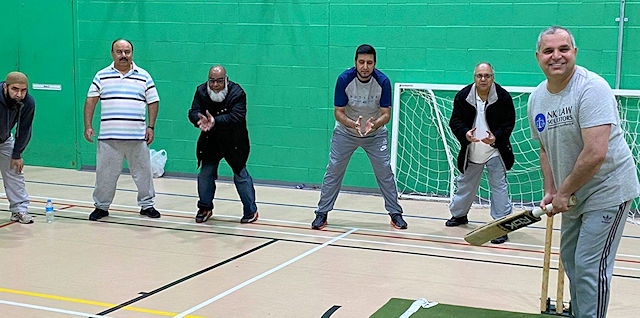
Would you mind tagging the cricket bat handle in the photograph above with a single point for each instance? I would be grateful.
(538, 212)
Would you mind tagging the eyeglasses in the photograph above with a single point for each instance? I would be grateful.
(481, 76)
(217, 80)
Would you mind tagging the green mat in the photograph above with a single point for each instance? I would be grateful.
(396, 307)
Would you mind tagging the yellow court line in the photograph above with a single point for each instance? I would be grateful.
(90, 302)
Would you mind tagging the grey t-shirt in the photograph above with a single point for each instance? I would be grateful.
(556, 121)
(362, 99)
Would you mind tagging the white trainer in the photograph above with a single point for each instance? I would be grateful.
(24, 218)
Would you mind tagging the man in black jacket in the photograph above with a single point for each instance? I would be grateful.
(482, 120)
(219, 110)
(17, 108)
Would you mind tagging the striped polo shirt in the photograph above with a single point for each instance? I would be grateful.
(123, 100)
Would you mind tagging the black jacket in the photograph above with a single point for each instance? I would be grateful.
(21, 116)
(500, 114)
(229, 137)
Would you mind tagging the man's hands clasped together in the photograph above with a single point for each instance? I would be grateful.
(206, 122)
(489, 139)
(368, 126)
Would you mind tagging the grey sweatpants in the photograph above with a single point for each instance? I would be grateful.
(588, 250)
(342, 147)
(13, 182)
(467, 189)
(110, 157)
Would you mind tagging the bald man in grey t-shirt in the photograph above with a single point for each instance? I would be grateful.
(574, 116)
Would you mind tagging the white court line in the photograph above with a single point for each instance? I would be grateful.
(269, 272)
(404, 233)
(253, 230)
(90, 203)
(231, 217)
(62, 311)
(448, 250)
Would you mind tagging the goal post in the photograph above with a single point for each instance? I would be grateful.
(424, 150)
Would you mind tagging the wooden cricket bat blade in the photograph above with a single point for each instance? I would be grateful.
(503, 226)
(509, 223)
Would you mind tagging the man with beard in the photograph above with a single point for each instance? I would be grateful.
(219, 110)
(362, 101)
(482, 120)
(125, 91)
(17, 108)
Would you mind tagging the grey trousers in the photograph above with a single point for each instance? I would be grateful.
(467, 189)
(110, 157)
(13, 182)
(342, 147)
(588, 251)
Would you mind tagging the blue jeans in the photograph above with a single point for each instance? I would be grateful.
(207, 187)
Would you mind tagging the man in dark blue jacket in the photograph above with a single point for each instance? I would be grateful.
(482, 120)
(17, 108)
(219, 110)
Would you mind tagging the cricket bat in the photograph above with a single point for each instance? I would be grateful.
(508, 224)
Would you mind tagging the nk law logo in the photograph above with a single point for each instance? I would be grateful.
(606, 219)
(540, 122)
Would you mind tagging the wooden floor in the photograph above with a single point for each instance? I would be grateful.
(130, 266)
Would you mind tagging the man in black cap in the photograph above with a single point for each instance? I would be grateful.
(16, 110)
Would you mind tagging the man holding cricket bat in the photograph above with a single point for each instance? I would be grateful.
(482, 120)
(573, 114)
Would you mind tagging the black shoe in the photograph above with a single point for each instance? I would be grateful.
(397, 221)
(98, 214)
(454, 221)
(249, 218)
(320, 222)
(150, 212)
(500, 240)
(203, 215)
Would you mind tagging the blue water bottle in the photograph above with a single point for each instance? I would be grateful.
(48, 211)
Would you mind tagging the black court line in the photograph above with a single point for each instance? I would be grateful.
(330, 311)
(383, 250)
(258, 237)
(176, 282)
(293, 205)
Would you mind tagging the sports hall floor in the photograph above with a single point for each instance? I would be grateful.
(131, 266)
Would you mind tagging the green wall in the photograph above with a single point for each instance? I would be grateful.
(9, 53)
(287, 55)
(40, 44)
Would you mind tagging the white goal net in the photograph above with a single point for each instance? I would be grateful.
(423, 149)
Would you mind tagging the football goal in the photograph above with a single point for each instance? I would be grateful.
(423, 149)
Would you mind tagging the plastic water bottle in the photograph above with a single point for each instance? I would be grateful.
(48, 211)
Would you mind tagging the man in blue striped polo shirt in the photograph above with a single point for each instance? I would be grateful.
(125, 92)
